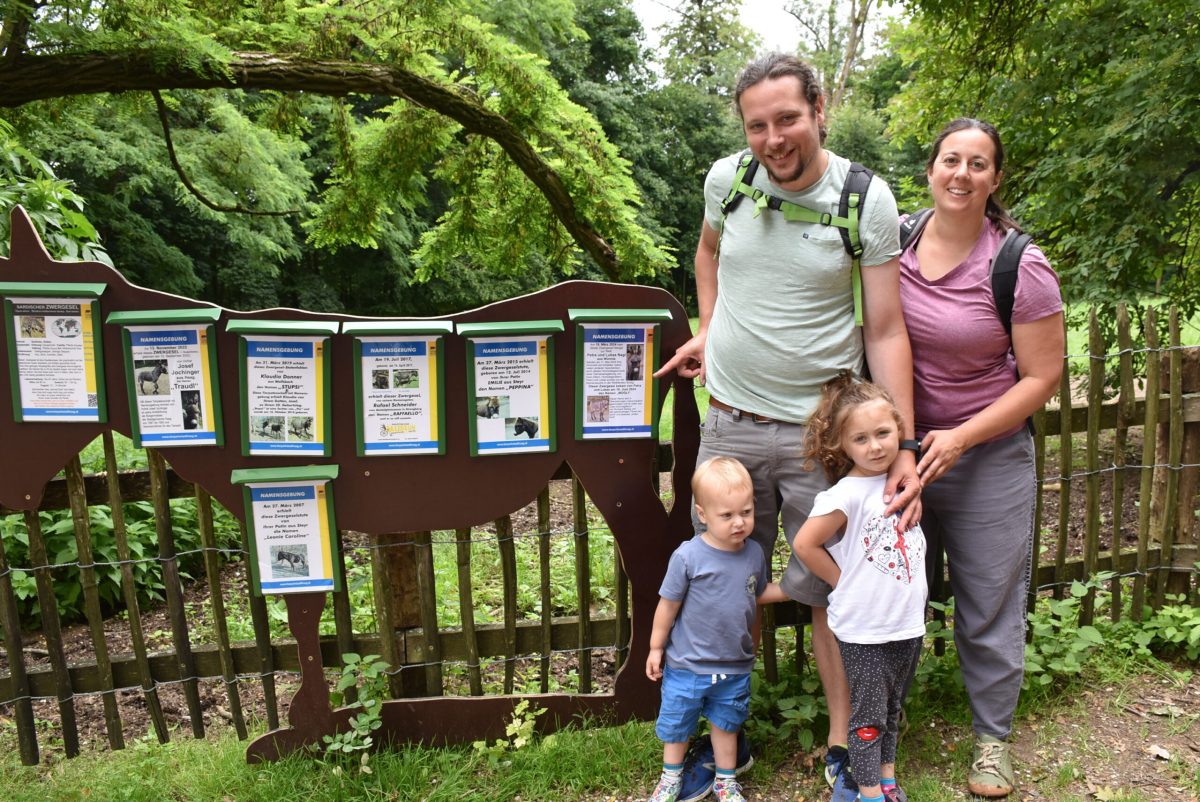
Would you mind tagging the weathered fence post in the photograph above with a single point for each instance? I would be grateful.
(173, 589)
(398, 599)
(1175, 486)
(1125, 405)
(427, 591)
(1066, 466)
(583, 585)
(91, 599)
(212, 573)
(1091, 540)
(10, 627)
(1149, 429)
(52, 630)
(1168, 501)
(129, 591)
(466, 608)
(547, 599)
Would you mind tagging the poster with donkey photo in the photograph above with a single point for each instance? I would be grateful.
(292, 528)
(399, 378)
(285, 387)
(172, 378)
(510, 381)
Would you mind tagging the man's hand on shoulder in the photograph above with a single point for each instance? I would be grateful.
(688, 361)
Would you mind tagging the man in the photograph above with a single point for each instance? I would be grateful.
(777, 321)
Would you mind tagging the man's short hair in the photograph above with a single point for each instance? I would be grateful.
(727, 472)
(779, 65)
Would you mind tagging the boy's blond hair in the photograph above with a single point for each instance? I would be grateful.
(725, 471)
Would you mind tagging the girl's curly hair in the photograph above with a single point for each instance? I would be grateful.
(823, 439)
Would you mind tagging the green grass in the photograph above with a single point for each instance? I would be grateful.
(584, 762)
(593, 761)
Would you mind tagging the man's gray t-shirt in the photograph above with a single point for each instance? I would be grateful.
(783, 323)
(712, 632)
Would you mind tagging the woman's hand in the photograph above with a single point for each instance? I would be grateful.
(940, 450)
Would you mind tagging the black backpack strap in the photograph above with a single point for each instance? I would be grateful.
(1005, 269)
(854, 195)
(743, 181)
(912, 227)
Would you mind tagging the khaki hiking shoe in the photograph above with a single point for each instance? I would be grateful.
(991, 772)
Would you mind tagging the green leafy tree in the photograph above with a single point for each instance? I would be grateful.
(670, 132)
(419, 93)
(706, 45)
(833, 41)
(1096, 102)
(52, 203)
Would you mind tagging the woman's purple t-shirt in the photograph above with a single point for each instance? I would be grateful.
(962, 360)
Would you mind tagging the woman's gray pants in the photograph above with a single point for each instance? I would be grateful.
(981, 512)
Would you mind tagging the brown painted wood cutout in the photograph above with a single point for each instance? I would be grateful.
(380, 495)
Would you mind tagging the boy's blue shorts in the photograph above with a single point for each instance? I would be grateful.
(724, 699)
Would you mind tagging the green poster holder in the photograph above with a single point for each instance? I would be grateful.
(56, 289)
(475, 331)
(401, 328)
(316, 474)
(616, 317)
(285, 329)
(167, 318)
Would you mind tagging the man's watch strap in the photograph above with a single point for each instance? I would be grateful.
(911, 445)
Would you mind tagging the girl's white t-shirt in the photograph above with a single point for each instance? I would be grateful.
(882, 591)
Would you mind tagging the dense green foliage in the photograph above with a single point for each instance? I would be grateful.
(390, 206)
(52, 203)
(58, 534)
(406, 189)
(1096, 100)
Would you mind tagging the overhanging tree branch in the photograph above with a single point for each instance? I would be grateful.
(187, 183)
(32, 78)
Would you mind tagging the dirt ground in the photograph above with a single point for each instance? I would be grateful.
(1143, 736)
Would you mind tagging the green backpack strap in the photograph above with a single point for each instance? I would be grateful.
(854, 192)
(741, 187)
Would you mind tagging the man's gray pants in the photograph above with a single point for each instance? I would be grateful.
(981, 512)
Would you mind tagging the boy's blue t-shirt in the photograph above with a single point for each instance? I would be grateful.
(712, 632)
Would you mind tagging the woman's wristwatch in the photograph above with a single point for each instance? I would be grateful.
(911, 445)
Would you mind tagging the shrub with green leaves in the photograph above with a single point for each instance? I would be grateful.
(58, 533)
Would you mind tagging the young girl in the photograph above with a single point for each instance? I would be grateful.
(877, 571)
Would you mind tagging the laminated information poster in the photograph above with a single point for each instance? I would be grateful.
(285, 387)
(54, 343)
(509, 380)
(399, 388)
(617, 392)
(616, 354)
(293, 533)
(173, 384)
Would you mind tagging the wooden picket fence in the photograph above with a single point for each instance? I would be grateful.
(410, 637)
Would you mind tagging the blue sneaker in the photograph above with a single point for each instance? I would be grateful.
(837, 758)
(844, 789)
(700, 768)
(837, 774)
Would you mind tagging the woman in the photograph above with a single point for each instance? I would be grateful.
(975, 386)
